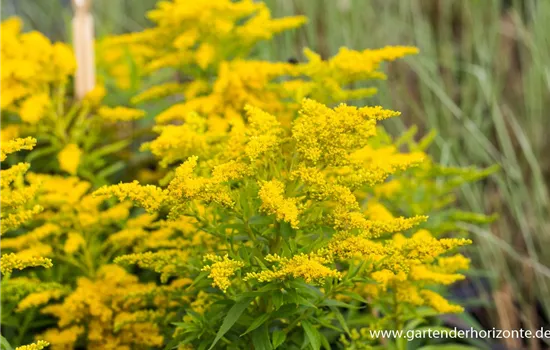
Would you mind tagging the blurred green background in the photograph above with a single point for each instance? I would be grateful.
(482, 80)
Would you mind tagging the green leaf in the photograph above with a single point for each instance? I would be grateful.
(277, 298)
(337, 303)
(200, 277)
(341, 319)
(260, 220)
(111, 169)
(260, 338)
(324, 342)
(355, 296)
(287, 311)
(278, 338)
(232, 316)
(40, 153)
(312, 335)
(286, 230)
(5, 344)
(108, 149)
(257, 323)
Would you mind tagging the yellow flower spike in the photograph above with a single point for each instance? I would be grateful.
(376, 211)
(186, 186)
(439, 303)
(39, 298)
(39, 345)
(65, 338)
(116, 114)
(12, 221)
(205, 55)
(11, 26)
(274, 202)
(96, 95)
(454, 263)
(12, 174)
(148, 196)
(311, 267)
(387, 278)
(231, 171)
(339, 132)
(36, 235)
(95, 305)
(69, 158)
(11, 261)
(423, 273)
(9, 132)
(221, 270)
(64, 61)
(74, 242)
(264, 132)
(12, 146)
(166, 262)
(178, 142)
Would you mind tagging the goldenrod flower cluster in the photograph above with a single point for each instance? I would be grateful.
(296, 204)
(270, 207)
(36, 101)
(18, 206)
(39, 345)
(221, 270)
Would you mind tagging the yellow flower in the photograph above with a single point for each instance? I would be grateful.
(273, 202)
(422, 273)
(36, 235)
(178, 142)
(346, 246)
(338, 132)
(63, 339)
(63, 61)
(11, 146)
(311, 267)
(39, 298)
(69, 158)
(377, 211)
(11, 261)
(186, 186)
(148, 196)
(205, 55)
(74, 242)
(167, 262)
(9, 132)
(221, 270)
(94, 305)
(12, 221)
(39, 345)
(34, 108)
(439, 303)
(96, 95)
(453, 263)
(120, 113)
(264, 132)
(12, 174)
(386, 277)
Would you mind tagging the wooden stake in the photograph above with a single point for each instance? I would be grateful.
(83, 41)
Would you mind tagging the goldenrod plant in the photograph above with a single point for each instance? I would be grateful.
(281, 217)
(72, 136)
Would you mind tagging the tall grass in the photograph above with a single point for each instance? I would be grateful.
(482, 80)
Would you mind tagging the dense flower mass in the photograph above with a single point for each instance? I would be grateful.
(302, 211)
(263, 210)
(36, 101)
